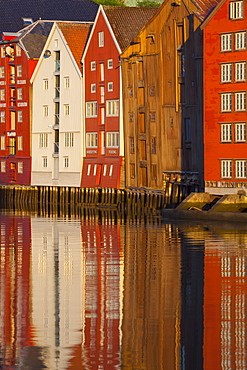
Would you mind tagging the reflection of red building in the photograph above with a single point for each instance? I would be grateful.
(103, 288)
(14, 287)
(225, 299)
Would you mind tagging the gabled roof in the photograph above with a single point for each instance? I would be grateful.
(76, 35)
(205, 7)
(13, 11)
(126, 22)
(210, 16)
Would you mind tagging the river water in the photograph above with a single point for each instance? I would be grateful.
(102, 293)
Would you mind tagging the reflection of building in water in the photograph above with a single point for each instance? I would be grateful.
(152, 303)
(57, 289)
(225, 303)
(103, 296)
(14, 288)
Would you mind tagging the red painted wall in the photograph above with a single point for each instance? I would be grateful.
(214, 150)
(94, 155)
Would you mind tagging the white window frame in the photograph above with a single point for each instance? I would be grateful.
(19, 116)
(93, 88)
(240, 71)
(95, 169)
(88, 169)
(19, 93)
(3, 166)
(66, 109)
(2, 116)
(2, 142)
(66, 162)
(18, 50)
(91, 139)
(91, 109)
(240, 101)
(226, 168)
(45, 84)
(110, 63)
(226, 42)
(45, 110)
(43, 140)
(44, 162)
(2, 74)
(68, 139)
(240, 132)
(226, 72)
(2, 94)
(19, 70)
(236, 10)
(93, 65)
(240, 40)
(240, 168)
(20, 167)
(226, 102)
(112, 139)
(112, 108)
(226, 132)
(102, 72)
(66, 82)
(110, 86)
(104, 169)
(111, 170)
(101, 39)
(19, 142)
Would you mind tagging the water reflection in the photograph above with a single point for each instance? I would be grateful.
(99, 293)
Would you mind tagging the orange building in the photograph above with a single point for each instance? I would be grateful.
(225, 56)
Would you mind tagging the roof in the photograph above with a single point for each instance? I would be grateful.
(126, 22)
(76, 35)
(13, 11)
(205, 7)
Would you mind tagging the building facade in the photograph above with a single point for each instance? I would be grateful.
(225, 56)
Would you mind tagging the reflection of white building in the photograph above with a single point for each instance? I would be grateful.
(57, 289)
(57, 117)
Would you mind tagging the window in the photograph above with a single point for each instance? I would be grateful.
(20, 167)
(92, 140)
(91, 109)
(18, 51)
(130, 92)
(102, 72)
(240, 101)
(101, 39)
(43, 140)
(20, 142)
(45, 110)
(112, 108)
(95, 169)
(131, 117)
(57, 61)
(132, 145)
(132, 170)
(3, 166)
(240, 132)
(240, 40)
(66, 109)
(3, 142)
(226, 132)
(19, 115)
(187, 130)
(45, 84)
(109, 63)
(2, 117)
(226, 102)
(153, 171)
(102, 94)
(110, 86)
(153, 145)
(93, 66)
(2, 94)
(2, 52)
(68, 139)
(56, 43)
(66, 162)
(104, 169)
(226, 42)
(44, 162)
(1, 72)
(226, 168)
(19, 94)
(236, 9)
(240, 71)
(111, 170)
(66, 82)
(19, 71)
(152, 91)
(152, 117)
(113, 139)
(12, 146)
(88, 169)
(226, 72)
(93, 88)
(240, 167)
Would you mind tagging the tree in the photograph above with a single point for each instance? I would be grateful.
(148, 3)
(110, 2)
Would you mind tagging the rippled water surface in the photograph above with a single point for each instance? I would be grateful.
(99, 293)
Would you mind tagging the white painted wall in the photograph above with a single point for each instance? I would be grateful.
(70, 176)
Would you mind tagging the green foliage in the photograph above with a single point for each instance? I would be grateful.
(110, 2)
(148, 3)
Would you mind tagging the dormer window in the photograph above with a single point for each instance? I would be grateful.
(237, 10)
(27, 21)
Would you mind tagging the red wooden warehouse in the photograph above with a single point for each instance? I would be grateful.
(225, 56)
